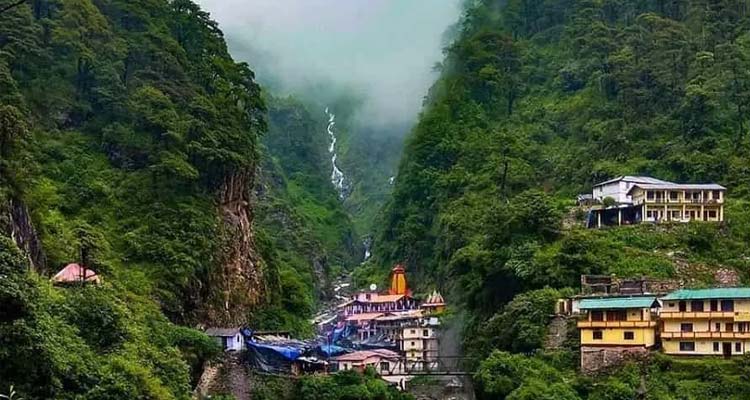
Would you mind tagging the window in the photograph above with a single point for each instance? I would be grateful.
(716, 346)
(619, 315)
(696, 305)
(412, 331)
(676, 214)
(385, 366)
(714, 305)
(686, 327)
(425, 332)
(597, 335)
(727, 305)
(650, 194)
(346, 367)
(671, 305)
(629, 335)
(712, 214)
(597, 316)
(718, 327)
(683, 306)
(717, 194)
(412, 344)
(687, 346)
(673, 195)
(730, 327)
(738, 347)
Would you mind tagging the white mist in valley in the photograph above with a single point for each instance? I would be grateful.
(382, 50)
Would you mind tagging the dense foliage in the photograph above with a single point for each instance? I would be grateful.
(120, 121)
(311, 236)
(89, 342)
(536, 102)
(348, 385)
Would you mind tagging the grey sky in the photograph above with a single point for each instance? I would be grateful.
(385, 49)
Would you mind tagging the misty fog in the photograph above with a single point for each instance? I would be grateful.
(383, 50)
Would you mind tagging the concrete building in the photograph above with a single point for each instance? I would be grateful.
(616, 328)
(679, 203)
(420, 343)
(619, 321)
(230, 339)
(706, 322)
(618, 188)
(385, 362)
(635, 199)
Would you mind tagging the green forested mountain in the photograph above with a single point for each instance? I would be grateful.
(129, 140)
(537, 101)
(300, 214)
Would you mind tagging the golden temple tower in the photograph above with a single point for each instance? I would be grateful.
(398, 281)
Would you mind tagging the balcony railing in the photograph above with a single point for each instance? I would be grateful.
(697, 314)
(680, 201)
(705, 335)
(616, 324)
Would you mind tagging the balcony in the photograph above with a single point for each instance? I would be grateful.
(698, 315)
(616, 324)
(705, 335)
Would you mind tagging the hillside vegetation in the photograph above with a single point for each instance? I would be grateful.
(129, 140)
(536, 102)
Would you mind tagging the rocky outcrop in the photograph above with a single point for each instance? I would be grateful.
(225, 376)
(16, 223)
(599, 359)
(236, 283)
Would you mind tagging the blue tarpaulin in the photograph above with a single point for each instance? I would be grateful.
(330, 350)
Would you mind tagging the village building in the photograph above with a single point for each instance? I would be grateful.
(635, 199)
(615, 327)
(230, 339)
(385, 362)
(75, 273)
(434, 304)
(420, 344)
(706, 322)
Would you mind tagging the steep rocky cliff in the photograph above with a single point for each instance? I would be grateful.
(236, 282)
(15, 222)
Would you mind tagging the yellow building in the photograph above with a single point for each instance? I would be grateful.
(679, 202)
(706, 322)
(618, 322)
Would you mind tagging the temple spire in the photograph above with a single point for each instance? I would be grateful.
(398, 281)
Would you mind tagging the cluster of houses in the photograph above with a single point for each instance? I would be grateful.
(627, 200)
(390, 331)
(684, 322)
(395, 332)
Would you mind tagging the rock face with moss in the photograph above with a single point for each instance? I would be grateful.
(129, 135)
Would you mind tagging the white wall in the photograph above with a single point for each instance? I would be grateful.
(616, 190)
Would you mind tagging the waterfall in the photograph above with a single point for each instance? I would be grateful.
(367, 244)
(337, 176)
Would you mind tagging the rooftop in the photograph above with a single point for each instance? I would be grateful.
(635, 179)
(364, 316)
(607, 303)
(365, 354)
(222, 332)
(680, 186)
(715, 293)
(75, 273)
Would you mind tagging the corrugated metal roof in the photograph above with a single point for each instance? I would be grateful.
(679, 186)
(222, 332)
(635, 179)
(715, 293)
(618, 303)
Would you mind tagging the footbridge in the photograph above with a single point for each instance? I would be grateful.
(436, 366)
